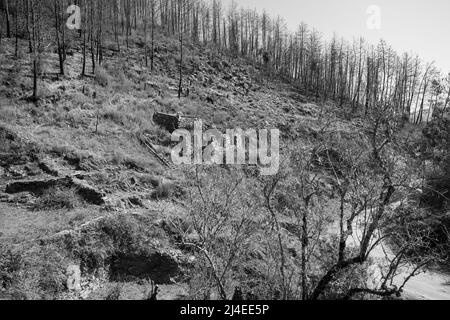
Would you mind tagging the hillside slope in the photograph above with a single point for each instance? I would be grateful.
(80, 191)
(74, 159)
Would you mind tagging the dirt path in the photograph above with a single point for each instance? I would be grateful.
(428, 286)
(425, 286)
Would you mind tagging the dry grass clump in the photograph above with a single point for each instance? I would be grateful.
(122, 84)
(102, 77)
(135, 116)
(9, 113)
(78, 117)
(150, 180)
(220, 117)
(36, 274)
(114, 113)
(56, 198)
(78, 99)
(136, 162)
(164, 190)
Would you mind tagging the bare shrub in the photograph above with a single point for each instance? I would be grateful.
(223, 216)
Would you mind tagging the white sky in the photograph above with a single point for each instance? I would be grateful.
(416, 26)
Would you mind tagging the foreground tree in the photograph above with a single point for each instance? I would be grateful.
(369, 199)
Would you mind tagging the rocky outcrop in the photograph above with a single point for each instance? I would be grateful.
(158, 266)
(36, 186)
(167, 121)
(73, 273)
(39, 186)
(88, 193)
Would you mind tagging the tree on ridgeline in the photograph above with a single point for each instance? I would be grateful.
(355, 74)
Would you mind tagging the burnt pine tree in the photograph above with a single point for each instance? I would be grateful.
(8, 19)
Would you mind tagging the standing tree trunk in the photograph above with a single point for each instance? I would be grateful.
(447, 100)
(91, 37)
(305, 243)
(83, 71)
(100, 34)
(145, 18)
(153, 35)
(35, 51)
(99, 31)
(359, 80)
(16, 51)
(63, 38)
(27, 10)
(8, 24)
(1, 33)
(180, 84)
(368, 84)
(58, 40)
(116, 24)
(420, 116)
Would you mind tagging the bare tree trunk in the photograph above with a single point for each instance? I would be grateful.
(368, 80)
(447, 100)
(27, 9)
(83, 71)
(420, 116)
(1, 33)
(116, 24)
(359, 80)
(153, 35)
(99, 52)
(100, 34)
(145, 34)
(8, 24)
(63, 39)
(58, 41)
(35, 51)
(180, 84)
(16, 51)
(305, 243)
(35, 71)
(91, 36)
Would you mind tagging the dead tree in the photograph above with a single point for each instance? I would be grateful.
(84, 30)
(371, 208)
(59, 44)
(8, 19)
(36, 48)
(16, 8)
